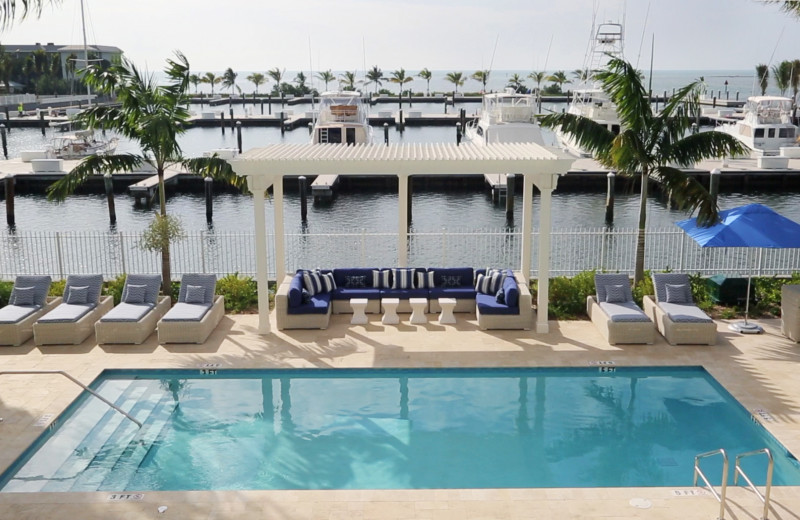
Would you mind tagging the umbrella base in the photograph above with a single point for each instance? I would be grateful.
(745, 328)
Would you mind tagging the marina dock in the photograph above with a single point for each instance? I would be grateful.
(322, 189)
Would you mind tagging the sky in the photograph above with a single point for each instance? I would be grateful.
(445, 35)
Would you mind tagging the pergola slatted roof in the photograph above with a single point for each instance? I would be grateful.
(537, 165)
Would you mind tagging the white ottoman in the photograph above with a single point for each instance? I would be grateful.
(390, 316)
(446, 316)
(418, 306)
(359, 305)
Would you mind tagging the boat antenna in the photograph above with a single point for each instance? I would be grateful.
(311, 72)
(652, 53)
(644, 28)
(85, 55)
(491, 63)
(546, 59)
(364, 57)
(772, 56)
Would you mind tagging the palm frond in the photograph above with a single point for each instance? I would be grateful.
(688, 194)
(89, 166)
(787, 6)
(589, 134)
(624, 86)
(216, 168)
(704, 145)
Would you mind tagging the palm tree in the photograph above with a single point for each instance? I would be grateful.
(300, 81)
(277, 75)
(348, 79)
(8, 9)
(782, 73)
(538, 77)
(515, 82)
(482, 76)
(326, 76)
(650, 143)
(456, 78)
(762, 71)
(229, 79)
(257, 79)
(580, 75)
(558, 78)
(399, 77)
(195, 80)
(794, 79)
(375, 75)
(787, 6)
(153, 114)
(426, 75)
(212, 79)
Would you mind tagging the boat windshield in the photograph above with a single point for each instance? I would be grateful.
(509, 108)
(342, 107)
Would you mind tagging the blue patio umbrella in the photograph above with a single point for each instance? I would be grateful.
(751, 226)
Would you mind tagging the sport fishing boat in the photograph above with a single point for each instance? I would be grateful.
(81, 143)
(506, 117)
(343, 118)
(766, 125)
(589, 100)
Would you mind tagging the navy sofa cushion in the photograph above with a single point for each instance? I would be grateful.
(459, 293)
(296, 290)
(404, 293)
(464, 275)
(487, 304)
(511, 291)
(344, 277)
(318, 304)
(343, 293)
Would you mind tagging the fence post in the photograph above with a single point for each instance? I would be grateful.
(603, 250)
(122, 251)
(760, 270)
(203, 250)
(59, 256)
(683, 248)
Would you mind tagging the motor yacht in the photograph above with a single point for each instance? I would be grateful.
(343, 118)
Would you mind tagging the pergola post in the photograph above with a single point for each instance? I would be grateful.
(280, 232)
(402, 220)
(545, 225)
(257, 186)
(527, 226)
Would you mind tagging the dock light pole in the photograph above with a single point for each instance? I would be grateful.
(4, 139)
(108, 182)
(239, 135)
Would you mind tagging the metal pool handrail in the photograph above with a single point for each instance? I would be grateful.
(767, 488)
(109, 403)
(697, 471)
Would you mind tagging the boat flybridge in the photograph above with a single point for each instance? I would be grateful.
(589, 99)
(766, 125)
(343, 118)
(505, 117)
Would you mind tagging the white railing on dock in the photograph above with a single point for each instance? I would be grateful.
(573, 250)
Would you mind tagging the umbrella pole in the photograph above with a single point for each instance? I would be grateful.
(744, 327)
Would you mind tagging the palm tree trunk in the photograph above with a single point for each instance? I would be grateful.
(166, 274)
(638, 274)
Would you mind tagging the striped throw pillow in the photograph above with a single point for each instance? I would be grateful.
(402, 278)
(381, 279)
(424, 280)
(312, 282)
(490, 282)
(328, 283)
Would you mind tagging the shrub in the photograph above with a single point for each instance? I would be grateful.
(115, 286)
(5, 292)
(643, 288)
(57, 288)
(240, 292)
(568, 295)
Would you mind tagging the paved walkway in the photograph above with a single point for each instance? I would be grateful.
(760, 371)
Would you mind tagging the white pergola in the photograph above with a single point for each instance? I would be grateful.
(265, 167)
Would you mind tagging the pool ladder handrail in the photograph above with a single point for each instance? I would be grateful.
(768, 485)
(86, 388)
(724, 487)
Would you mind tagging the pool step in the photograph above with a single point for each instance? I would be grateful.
(117, 445)
(110, 425)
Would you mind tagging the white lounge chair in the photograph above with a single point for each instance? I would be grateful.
(72, 321)
(138, 312)
(677, 318)
(615, 314)
(27, 303)
(196, 314)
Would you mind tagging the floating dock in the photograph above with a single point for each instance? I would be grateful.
(323, 187)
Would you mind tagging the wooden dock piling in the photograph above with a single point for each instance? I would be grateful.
(239, 135)
(208, 184)
(302, 185)
(9, 184)
(5, 140)
(612, 180)
(108, 183)
(510, 179)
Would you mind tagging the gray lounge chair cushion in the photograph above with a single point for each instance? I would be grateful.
(67, 313)
(678, 293)
(135, 294)
(24, 295)
(16, 313)
(76, 295)
(207, 281)
(93, 282)
(624, 312)
(186, 312)
(684, 313)
(661, 280)
(195, 294)
(40, 284)
(152, 283)
(128, 312)
(615, 288)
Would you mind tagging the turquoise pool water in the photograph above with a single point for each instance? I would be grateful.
(394, 429)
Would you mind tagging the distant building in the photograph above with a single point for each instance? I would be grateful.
(96, 52)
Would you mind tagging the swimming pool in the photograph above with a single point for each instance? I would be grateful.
(394, 429)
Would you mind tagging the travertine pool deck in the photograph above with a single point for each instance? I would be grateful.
(761, 371)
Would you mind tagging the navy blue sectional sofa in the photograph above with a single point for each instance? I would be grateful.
(297, 308)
